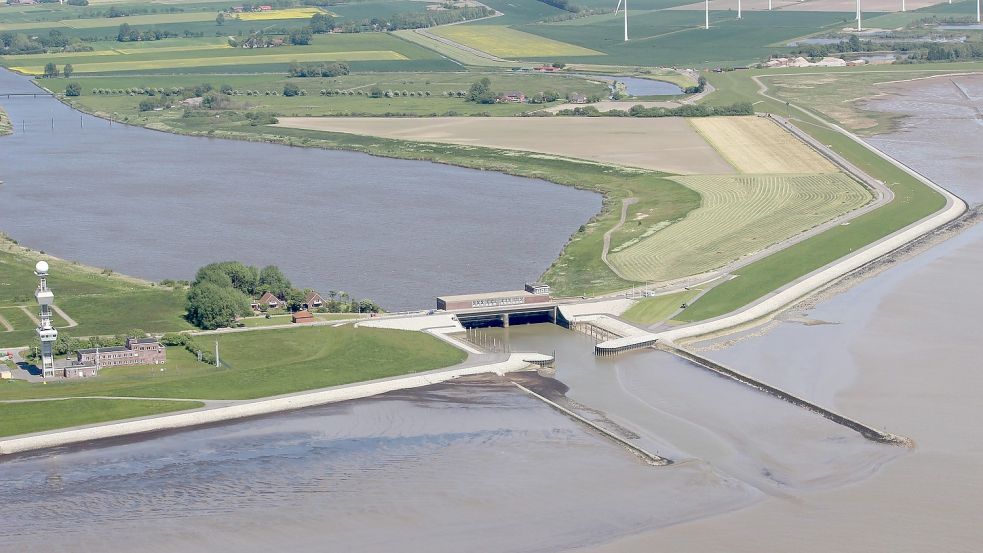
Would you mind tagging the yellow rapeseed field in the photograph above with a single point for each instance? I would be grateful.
(289, 13)
(505, 42)
(756, 145)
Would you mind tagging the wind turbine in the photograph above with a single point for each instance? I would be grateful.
(739, 9)
(860, 25)
(626, 15)
(707, 2)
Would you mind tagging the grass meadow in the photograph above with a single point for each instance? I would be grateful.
(100, 304)
(261, 363)
(38, 416)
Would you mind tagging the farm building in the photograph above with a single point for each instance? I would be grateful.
(490, 299)
(513, 97)
(269, 300)
(578, 98)
(302, 317)
(312, 300)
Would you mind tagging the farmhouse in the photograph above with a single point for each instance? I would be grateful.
(265, 8)
(514, 97)
(269, 300)
(312, 301)
(302, 317)
(578, 98)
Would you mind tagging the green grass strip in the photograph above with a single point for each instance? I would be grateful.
(38, 416)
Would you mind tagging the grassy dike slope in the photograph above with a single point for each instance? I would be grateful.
(38, 416)
(100, 303)
(913, 201)
(259, 364)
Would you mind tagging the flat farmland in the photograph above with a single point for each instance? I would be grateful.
(757, 145)
(133, 20)
(665, 144)
(422, 93)
(506, 42)
(675, 37)
(739, 215)
(190, 55)
(289, 13)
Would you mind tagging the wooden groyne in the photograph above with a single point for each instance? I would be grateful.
(866, 431)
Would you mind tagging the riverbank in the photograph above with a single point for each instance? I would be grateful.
(6, 127)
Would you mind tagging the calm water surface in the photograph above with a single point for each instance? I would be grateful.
(158, 205)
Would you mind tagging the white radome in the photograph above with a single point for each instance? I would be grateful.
(41, 267)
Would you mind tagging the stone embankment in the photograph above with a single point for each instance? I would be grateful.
(649, 457)
(515, 362)
(864, 430)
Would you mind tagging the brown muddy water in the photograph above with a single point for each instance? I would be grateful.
(900, 351)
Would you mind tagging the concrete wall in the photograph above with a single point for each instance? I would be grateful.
(30, 442)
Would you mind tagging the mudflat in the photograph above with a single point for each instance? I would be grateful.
(666, 144)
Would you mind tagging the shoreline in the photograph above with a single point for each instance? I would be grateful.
(250, 408)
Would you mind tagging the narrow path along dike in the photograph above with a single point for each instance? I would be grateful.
(864, 430)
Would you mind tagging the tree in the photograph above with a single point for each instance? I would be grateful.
(322, 23)
(220, 19)
(855, 45)
(272, 280)
(480, 92)
(290, 89)
(229, 274)
(294, 299)
(300, 37)
(50, 70)
(211, 306)
(124, 32)
(67, 71)
(73, 89)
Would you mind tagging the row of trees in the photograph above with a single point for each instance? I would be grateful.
(565, 5)
(129, 34)
(688, 110)
(335, 69)
(54, 41)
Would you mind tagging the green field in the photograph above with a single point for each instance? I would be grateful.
(361, 47)
(38, 416)
(649, 311)
(505, 42)
(425, 93)
(739, 215)
(261, 363)
(100, 304)
(658, 38)
(913, 201)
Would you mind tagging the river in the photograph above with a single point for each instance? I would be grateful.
(158, 205)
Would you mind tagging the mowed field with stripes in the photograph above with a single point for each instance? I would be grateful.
(739, 215)
(781, 188)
